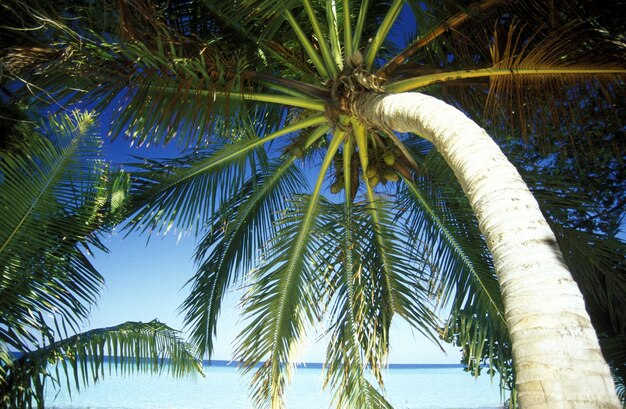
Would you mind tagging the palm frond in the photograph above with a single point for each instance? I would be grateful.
(528, 75)
(152, 81)
(230, 247)
(281, 300)
(402, 268)
(404, 294)
(270, 37)
(567, 74)
(424, 40)
(347, 354)
(57, 195)
(45, 221)
(185, 192)
(217, 95)
(359, 303)
(83, 359)
(445, 237)
(440, 222)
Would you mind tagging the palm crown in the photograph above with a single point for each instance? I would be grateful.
(266, 95)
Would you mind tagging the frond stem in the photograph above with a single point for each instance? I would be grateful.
(292, 85)
(295, 102)
(292, 101)
(331, 16)
(306, 44)
(360, 23)
(429, 37)
(347, 29)
(431, 79)
(383, 30)
(361, 139)
(326, 54)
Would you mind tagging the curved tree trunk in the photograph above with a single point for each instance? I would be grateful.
(557, 357)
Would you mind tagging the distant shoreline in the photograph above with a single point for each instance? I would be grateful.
(319, 365)
(314, 365)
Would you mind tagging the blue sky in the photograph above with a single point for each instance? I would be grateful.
(144, 282)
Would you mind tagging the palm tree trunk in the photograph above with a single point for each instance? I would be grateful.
(557, 357)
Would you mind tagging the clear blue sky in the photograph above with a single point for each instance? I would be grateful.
(146, 282)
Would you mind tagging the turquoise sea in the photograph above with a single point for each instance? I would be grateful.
(407, 387)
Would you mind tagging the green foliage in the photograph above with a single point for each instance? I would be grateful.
(46, 225)
(76, 361)
(57, 196)
(244, 84)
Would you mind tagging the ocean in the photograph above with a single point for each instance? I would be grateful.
(407, 387)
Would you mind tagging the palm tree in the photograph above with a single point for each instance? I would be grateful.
(55, 194)
(260, 88)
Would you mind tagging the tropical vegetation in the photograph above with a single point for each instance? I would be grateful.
(57, 197)
(265, 96)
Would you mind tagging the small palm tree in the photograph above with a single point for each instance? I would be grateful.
(55, 193)
(261, 88)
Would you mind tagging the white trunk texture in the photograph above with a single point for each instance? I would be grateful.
(556, 354)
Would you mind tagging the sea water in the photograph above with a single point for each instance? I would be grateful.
(407, 387)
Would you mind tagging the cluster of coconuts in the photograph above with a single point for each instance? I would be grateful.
(381, 167)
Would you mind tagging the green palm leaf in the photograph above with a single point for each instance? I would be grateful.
(57, 194)
(281, 301)
(186, 191)
(83, 358)
(230, 248)
(359, 310)
(43, 267)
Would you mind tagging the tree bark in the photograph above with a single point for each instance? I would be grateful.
(556, 354)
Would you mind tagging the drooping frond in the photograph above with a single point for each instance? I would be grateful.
(523, 75)
(87, 357)
(56, 195)
(52, 195)
(154, 80)
(345, 357)
(391, 284)
(360, 314)
(281, 300)
(231, 246)
(462, 280)
(565, 73)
